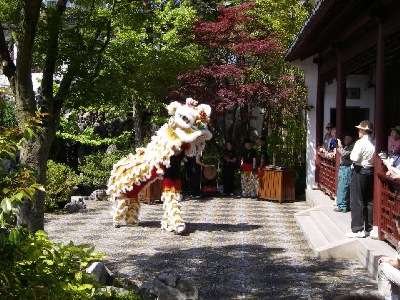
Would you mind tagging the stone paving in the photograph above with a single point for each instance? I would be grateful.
(235, 249)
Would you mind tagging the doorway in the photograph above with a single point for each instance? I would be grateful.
(352, 117)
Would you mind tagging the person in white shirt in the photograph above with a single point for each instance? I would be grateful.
(361, 185)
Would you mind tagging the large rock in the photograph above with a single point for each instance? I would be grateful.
(169, 285)
(98, 195)
(74, 207)
(104, 275)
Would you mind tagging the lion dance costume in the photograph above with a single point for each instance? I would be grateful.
(185, 133)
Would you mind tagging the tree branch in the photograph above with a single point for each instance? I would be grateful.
(54, 23)
(22, 85)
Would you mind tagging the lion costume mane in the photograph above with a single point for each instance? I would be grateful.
(186, 131)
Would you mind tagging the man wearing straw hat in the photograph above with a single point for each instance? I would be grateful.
(361, 186)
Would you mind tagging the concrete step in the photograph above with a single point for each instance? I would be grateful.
(315, 240)
(329, 228)
(325, 238)
(325, 231)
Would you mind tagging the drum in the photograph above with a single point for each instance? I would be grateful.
(210, 172)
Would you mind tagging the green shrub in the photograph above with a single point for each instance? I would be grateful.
(7, 116)
(59, 185)
(31, 266)
(96, 169)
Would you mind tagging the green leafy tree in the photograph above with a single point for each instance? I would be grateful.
(98, 52)
(245, 70)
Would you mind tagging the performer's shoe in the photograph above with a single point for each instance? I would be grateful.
(180, 229)
(358, 234)
(116, 225)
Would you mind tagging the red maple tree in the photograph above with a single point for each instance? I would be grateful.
(243, 62)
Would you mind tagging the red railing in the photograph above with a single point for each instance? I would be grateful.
(326, 174)
(390, 208)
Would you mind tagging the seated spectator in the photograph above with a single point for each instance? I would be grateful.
(389, 273)
(393, 163)
(394, 139)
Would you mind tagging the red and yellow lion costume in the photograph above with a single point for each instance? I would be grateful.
(186, 131)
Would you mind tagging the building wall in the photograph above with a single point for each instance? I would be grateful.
(367, 96)
(311, 78)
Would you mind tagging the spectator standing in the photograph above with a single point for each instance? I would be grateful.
(344, 174)
(194, 165)
(248, 170)
(327, 135)
(228, 166)
(361, 186)
(332, 141)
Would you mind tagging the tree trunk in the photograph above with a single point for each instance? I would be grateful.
(34, 153)
(231, 131)
(137, 124)
(35, 149)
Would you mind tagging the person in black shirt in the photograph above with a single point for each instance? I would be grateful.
(228, 166)
(248, 170)
(194, 165)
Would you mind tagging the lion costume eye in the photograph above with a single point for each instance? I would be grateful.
(186, 119)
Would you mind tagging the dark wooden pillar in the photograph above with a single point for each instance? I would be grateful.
(379, 124)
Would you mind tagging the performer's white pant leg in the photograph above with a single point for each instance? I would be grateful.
(118, 209)
(125, 209)
(388, 281)
(132, 215)
(172, 220)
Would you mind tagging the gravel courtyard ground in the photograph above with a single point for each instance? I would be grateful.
(235, 249)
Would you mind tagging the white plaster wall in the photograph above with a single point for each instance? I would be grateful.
(367, 96)
(311, 79)
(329, 101)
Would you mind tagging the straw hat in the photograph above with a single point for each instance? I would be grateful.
(210, 172)
(366, 125)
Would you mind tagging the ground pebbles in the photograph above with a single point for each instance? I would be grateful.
(235, 249)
